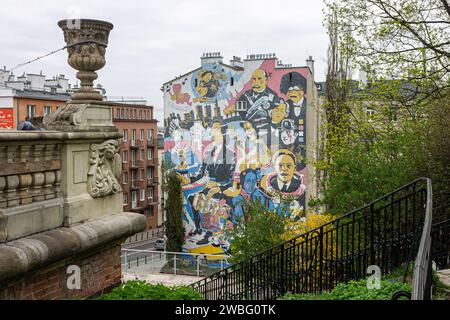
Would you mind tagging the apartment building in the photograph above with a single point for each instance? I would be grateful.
(139, 155)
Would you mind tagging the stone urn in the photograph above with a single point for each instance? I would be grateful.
(86, 41)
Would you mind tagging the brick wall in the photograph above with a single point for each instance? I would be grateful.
(100, 271)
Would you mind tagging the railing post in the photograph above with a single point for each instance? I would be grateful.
(198, 266)
(281, 277)
(175, 264)
(321, 259)
(372, 234)
(153, 263)
(226, 283)
(126, 265)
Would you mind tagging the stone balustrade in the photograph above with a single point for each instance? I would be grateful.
(29, 172)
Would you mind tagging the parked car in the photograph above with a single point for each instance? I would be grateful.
(160, 244)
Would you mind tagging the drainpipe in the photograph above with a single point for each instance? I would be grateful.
(18, 112)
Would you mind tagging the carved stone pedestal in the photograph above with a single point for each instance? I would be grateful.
(82, 115)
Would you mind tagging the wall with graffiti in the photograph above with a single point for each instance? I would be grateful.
(233, 135)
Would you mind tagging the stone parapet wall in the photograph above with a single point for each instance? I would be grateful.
(100, 270)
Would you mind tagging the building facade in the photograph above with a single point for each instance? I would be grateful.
(139, 153)
(239, 132)
(32, 96)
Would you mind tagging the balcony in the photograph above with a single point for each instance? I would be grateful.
(133, 144)
(134, 185)
(152, 142)
(152, 162)
(152, 181)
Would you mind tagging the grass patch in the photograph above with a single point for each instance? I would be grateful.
(140, 290)
(355, 290)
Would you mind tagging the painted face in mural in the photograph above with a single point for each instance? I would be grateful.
(288, 133)
(217, 133)
(279, 113)
(250, 131)
(250, 182)
(285, 167)
(259, 80)
(295, 93)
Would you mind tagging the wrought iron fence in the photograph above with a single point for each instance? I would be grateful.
(387, 232)
(176, 263)
(151, 234)
(440, 234)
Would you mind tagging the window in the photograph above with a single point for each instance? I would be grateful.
(125, 199)
(150, 154)
(125, 134)
(150, 211)
(126, 113)
(141, 174)
(140, 114)
(241, 106)
(125, 156)
(142, 134)
(133, 135)
(47, 110)
(121, 113)
(150, 193)
(134, 114)
(133, 199)
(142, 191)
(149, 134)
(117, 113)
(133, 177)
(142, 154)
(150, 173)
(125, 177)
(370, 113)
(393, 113)
(31, 111)
(133, 157)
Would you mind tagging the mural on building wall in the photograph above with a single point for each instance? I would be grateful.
(234, 136)
(6, 118)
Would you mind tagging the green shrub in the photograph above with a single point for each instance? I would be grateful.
(140, 290)
(355, 290)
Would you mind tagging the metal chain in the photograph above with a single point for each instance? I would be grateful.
(55, 51)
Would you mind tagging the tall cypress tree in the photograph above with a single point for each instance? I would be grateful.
(174, 209)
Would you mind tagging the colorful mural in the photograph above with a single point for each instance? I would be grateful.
(6, 118)
(235, 135)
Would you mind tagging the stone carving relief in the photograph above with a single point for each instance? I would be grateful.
(104, 169)
(70, 114)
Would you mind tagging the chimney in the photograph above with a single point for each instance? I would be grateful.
(310, 64)
(211, 57)
(237, 62)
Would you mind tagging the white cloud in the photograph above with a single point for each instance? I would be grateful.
(154, 41)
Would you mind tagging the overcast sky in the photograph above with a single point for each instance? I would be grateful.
(155, 41)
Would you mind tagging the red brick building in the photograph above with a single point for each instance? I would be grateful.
(139, 154)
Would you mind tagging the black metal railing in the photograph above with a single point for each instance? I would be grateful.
(388, 232)
(440, 235)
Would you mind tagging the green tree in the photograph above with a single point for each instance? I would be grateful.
(174, 227)
(402, 47)
(257, 230)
